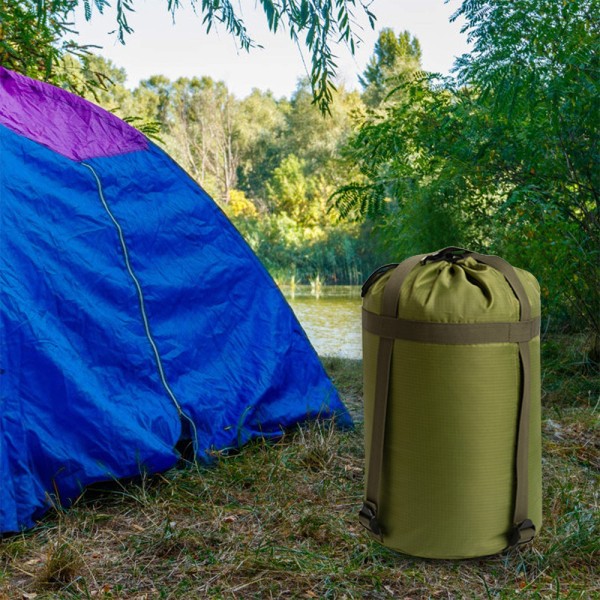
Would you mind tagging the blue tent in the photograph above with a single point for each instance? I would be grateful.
(132, 313)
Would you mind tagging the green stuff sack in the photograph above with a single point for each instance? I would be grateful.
(451, 354)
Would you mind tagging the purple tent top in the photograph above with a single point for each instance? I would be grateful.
(62, 121)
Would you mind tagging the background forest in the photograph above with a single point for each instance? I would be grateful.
(502, 157)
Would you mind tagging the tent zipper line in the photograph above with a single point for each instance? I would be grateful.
(142, 304)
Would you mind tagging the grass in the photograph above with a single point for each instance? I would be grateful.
(278, 519)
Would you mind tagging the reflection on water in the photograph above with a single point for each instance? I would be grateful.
(330, 316)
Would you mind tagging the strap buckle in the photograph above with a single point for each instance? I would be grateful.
(522, 533)
(368, 519)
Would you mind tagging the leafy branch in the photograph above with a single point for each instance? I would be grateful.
(316, 23)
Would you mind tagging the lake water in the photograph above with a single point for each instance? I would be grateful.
(331, 318)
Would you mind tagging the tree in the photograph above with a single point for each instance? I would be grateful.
(199, 127)
(152, 98)
(407, 170)
(269, 132)
(394, 56)
(313, 136)
(535, 63)
(504, 160)
(261, 128)
(109, 90)
(33, 38)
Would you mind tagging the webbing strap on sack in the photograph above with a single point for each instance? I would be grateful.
(450, 333)
(523, 528)
(368, 513)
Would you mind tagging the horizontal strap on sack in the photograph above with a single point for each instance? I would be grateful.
(450, 333)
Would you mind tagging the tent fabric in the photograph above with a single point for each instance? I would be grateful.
(132, 313)
(62, 122)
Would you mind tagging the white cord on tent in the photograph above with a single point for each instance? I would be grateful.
(143, 309)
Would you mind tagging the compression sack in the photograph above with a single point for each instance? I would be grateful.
(451, 355)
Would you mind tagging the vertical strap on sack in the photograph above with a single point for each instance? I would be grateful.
(523, 527)
(389, 308)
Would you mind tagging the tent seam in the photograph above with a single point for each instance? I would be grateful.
(142, 305)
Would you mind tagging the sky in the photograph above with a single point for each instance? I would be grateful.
(184, 49)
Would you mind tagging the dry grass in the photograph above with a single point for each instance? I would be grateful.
(279, 520)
